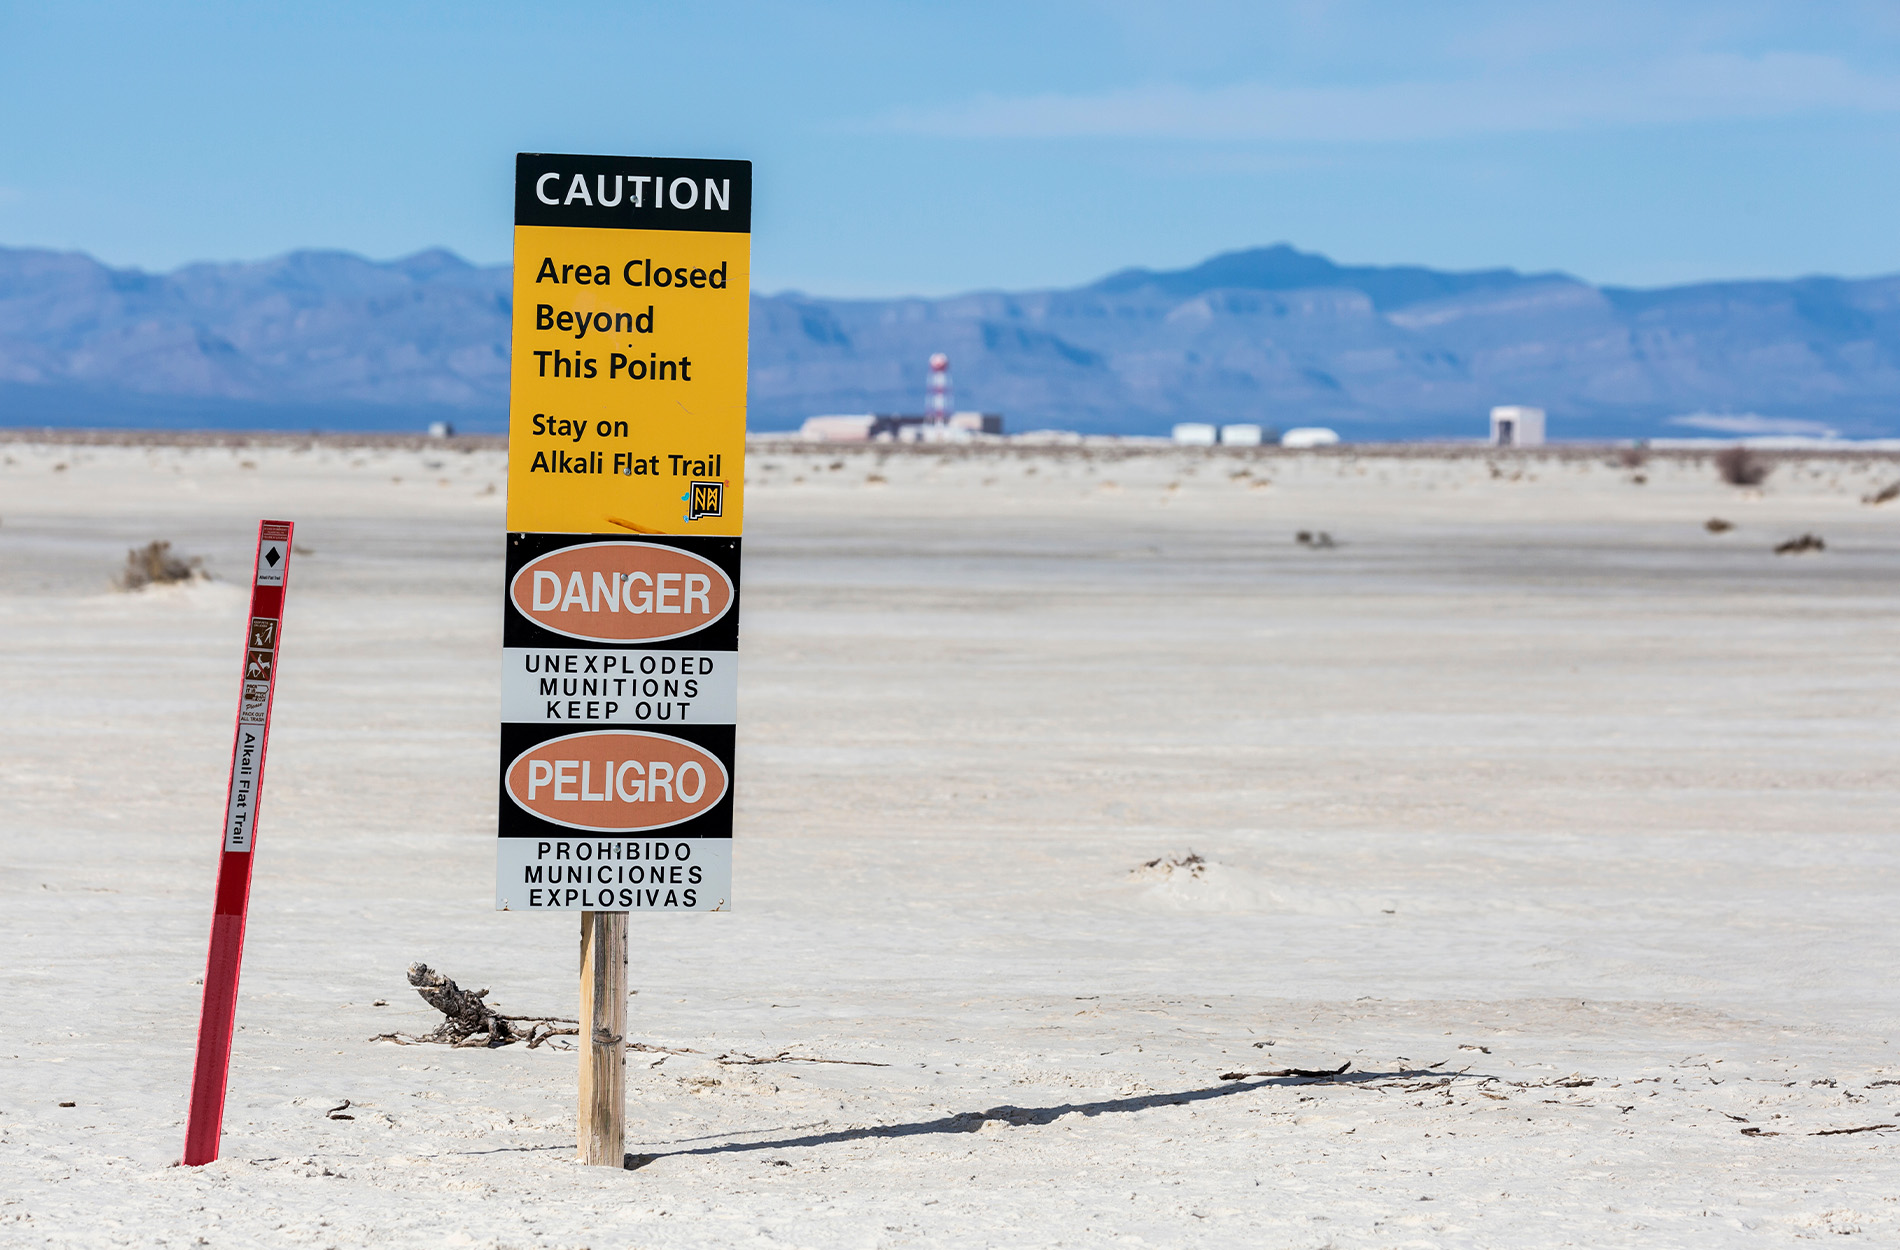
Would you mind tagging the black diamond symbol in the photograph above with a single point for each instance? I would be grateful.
(270, 557)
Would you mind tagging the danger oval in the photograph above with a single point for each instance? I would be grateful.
(616, 781)
(621, 592)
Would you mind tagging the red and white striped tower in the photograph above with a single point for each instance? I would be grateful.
(937, 393)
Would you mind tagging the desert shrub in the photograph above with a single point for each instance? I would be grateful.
(1632, 457)
(1740, 466)
(156, 564)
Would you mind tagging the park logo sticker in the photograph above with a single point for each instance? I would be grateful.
(616, 781)
(621, 592)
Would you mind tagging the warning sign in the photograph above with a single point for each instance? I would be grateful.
(626, 487)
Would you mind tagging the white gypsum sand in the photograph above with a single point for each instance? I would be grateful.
(1566, 822)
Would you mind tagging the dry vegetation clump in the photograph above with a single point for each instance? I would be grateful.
(470, 1022)
(1886, 494)
(155, 564)
(1632, 457)
(1741, 467)
(1314, 538)
(1193, 864)
(1716, 525)
(1796, 546)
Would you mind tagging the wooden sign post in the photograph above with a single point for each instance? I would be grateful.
(217, 1018)
(620, 618)
(603, 1131)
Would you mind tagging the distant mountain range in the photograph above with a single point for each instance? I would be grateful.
(1272, 335)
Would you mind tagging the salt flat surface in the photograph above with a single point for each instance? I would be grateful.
(1566, 822)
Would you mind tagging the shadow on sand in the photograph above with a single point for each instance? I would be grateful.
(971, 1121)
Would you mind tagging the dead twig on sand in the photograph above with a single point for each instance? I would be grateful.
(1842, 1132)
(785, 1056)
(1311, 1074)
(741, 1059)
(1576, 1080)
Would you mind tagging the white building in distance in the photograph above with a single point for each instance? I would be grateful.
(1516, 426)
(872, 427)
(838, 428)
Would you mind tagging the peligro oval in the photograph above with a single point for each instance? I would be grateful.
(616, 780)
(621, 592)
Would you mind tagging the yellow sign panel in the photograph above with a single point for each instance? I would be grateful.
(628, 385)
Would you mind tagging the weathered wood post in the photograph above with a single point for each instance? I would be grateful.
(602, 1124)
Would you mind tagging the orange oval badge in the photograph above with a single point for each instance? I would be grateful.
(616, 781)
(621, 592)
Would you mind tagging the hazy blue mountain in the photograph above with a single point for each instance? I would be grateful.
(309, 339)
(1273, 335)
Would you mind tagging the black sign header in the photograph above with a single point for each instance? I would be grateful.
(633, 192)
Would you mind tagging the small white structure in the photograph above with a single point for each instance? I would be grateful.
(1309, 436)
(837, 429)
(1240, 435)
(1516, 426)
(1195, 434)
(441, 429)
(977, 422)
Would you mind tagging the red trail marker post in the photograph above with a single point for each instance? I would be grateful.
(218, 1018)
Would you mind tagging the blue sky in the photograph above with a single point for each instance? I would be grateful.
(910, 148)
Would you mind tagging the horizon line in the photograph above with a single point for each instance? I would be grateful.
(797, 292)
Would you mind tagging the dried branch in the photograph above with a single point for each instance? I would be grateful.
(470, 1022)
(1311, 1074)
(785, 1056)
